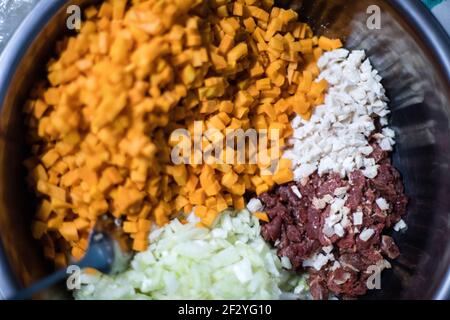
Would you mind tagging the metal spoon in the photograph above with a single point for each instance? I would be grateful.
(102, 253)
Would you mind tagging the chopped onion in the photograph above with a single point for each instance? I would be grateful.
(231, 261)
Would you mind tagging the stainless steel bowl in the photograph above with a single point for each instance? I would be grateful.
(412, 53)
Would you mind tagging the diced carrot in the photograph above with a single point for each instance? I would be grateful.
(140, 245)
(100, 125)
(262, 188)
(77, 253)
(329, 44)
(283, 176)
(38, 229)
(81, 223)
(60, 260)
(69, 231)
(238, 202)
(130, 227)
(144, 225)
(210, 217)
(261, 216)
(201, 211)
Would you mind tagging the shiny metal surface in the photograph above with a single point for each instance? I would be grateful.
(17, 250)
(411, 52)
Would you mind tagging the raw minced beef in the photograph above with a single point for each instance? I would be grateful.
(333, 227)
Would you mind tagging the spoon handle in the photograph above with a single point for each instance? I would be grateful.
(45, 283)
(100, 256)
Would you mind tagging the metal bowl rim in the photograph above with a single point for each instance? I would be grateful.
(418, 17)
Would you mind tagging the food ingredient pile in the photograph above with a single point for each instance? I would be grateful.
(346, 193)
(100, 124)
(101, 134)
(230, 261)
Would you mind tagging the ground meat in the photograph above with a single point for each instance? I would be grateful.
(379, 154)
(389, 248)
(272, 231)
(329, 186)
(297, 227)
(318, 286)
